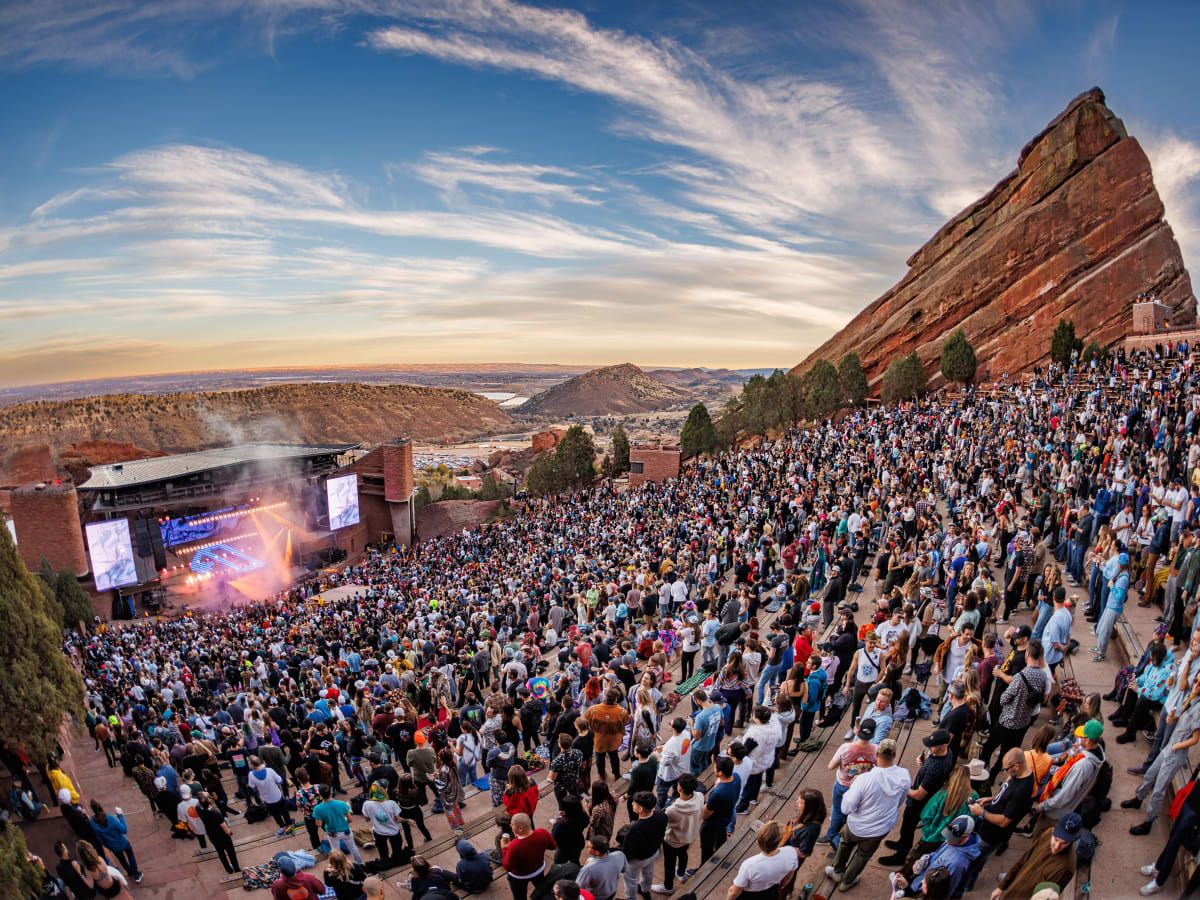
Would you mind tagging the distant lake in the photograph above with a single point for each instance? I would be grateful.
(497, 397)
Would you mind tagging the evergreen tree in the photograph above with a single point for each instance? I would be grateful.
(756, 405)
(904, 379)
(543, 478)
(74, 602)
(698, 435)
(730, 423)
(1092, 351)
(620, 451)
(822, 391)
(1062, 342)
(488, 489)
(852, 380)
(38, 686)
(958, 358)
(576, 457)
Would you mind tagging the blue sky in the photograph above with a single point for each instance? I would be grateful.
(194, 185)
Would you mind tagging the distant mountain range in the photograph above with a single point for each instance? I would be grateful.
(524, 379)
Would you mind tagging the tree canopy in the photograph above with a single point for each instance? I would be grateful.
(576, 458)
(620, 451)
(38, 686)
(852, 380)
(958, 358)
(698, 435)
(904, 379)
(1062, 342)
(822, 390)
(543, 478)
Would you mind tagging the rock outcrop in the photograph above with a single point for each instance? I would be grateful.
(1076, 231)
(612, 390)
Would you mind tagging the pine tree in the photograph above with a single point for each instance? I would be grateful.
(543, 478)
(488, 489)
(38, 686)
(698, 435)
(958, 358)
(822, 391)
(852, 380)
(576, 457)
(620, 451)
(1062, 342)
(904, 379)
(74, 602)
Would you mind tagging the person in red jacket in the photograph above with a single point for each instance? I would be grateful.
(524, 855)
(521, 795)
(293, 885)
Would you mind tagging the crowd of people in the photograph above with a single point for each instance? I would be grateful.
(850, 575)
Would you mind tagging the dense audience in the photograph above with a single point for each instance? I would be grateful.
(870, 564)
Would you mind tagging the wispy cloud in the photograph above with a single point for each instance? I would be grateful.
(1176, 166)
(452, 172)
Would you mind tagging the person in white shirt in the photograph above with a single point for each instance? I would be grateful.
(673, 761)
(767, 870)
(766, 737)
(872, 807)
(890, 630)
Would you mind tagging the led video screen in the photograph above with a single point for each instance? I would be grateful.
(112, 554)
(343, 501)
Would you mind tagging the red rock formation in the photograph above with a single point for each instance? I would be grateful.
(1076, 231)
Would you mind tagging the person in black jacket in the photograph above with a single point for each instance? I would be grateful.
(642, 845)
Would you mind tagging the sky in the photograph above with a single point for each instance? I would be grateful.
(207, 184)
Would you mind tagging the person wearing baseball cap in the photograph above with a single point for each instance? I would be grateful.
(956, 855)
(1072, 781)
(1050, 858)
(1118, 590)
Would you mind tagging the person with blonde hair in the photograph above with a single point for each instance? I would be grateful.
(344, 877)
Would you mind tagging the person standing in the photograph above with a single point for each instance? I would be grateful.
(683, 827)
(1118, 589)
(708, 724)
(673, 761)
(934, 770)
(1050, 858)
(1056, 636)
(334, 817)
(719, 804)
(865, 669)
(266, 784)
(1182, 834)
(219, 832)
(601, 874)
(384, 816)
(523, 855)
(111, 832)
(871, 806)
(1019, 702)
(642, 845)
(607, 721)
(850, 760)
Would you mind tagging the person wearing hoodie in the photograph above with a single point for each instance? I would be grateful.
(683, 827)
(474, 869)
(295, 885)
(1074, 778)
(76, 817)
(266, 784)
(110, 832)
(1172, 761)
(960, 850)
(499, 761)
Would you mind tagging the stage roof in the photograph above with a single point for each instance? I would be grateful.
(164, 468)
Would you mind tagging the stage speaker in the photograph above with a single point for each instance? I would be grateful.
(156, 545)
(142, 536)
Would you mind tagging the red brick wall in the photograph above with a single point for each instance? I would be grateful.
(398, 470)
(657, 464)
(48, 525)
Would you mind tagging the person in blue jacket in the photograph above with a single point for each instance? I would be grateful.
(111, 832)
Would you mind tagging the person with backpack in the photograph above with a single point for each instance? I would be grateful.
(1051, 858)
(1019, 703)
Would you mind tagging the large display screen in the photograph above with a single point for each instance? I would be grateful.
(343, 501)
(112, 554)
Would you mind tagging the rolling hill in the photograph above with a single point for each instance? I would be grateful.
(611, 390)
(178, 422)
